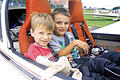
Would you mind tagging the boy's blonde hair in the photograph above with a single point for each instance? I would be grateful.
(60, 11)
(39, 19)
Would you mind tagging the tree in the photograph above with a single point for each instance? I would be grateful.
(85, 7)
(118, 7)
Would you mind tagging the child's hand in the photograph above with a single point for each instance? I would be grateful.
(64, 62)
(57, 65)
(80, 44)
(50, 71)
(70, 58)
(77, 74)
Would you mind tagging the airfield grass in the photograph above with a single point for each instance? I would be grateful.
(99, 21)
(87, 11)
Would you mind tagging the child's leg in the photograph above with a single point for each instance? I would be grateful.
(104, 67)
(113, 56)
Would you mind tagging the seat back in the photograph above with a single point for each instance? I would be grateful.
(118, 50)
(77, 18)
(40, 6)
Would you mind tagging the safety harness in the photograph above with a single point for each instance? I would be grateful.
(84, 33)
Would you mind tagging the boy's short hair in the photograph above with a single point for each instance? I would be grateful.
(42, 19)
(60, 11)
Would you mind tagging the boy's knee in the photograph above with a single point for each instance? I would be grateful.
(98, 61)
(97, 64)
(113, 56)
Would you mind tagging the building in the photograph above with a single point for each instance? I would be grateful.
(62, 3)
(58, 2)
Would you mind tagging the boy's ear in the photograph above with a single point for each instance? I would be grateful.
(31, 31)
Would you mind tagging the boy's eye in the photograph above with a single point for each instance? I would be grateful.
(58, 22)
(50, 33)
(41, 33)
(66, 22)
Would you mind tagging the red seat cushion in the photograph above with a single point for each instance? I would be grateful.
(118, 50)
(40, 6)
(76, 13)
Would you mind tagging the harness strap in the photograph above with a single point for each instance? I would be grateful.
(74, 31)
(53, 52)
(87, 36)
(67, 41)
(84, 33)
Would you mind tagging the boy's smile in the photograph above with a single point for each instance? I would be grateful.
(61, 24)
(42, 36)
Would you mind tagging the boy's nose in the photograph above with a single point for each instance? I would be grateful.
(45, 36)
(63, 25)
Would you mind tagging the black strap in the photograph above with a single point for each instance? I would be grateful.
(67, 40)
(84, 32)
(74, 31)
(53, 52)
(76, 34)
(87, 38)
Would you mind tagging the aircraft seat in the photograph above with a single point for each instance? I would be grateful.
(118, 50)
(78, 25)
(40, 6)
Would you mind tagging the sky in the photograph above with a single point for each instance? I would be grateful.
(109, 4)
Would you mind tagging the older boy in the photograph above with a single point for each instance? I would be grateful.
(41, 30)
(101, 65)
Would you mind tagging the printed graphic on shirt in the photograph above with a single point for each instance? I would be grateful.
(62, 43)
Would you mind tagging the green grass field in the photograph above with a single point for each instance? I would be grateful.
(98, 21)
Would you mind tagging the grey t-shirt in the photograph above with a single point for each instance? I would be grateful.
(58, 43)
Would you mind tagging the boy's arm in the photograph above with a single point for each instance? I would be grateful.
(42, 60)
(53, 67)
(61, 64)
(68, 49)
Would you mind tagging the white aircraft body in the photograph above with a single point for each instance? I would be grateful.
(13, 65)
(111, 14)
(110, 29)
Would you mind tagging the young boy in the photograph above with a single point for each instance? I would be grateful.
(100, 65)
(41, 30)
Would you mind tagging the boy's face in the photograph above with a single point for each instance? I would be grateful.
(61, 24)
(42, 36)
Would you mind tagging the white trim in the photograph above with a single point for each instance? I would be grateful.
(3, 25)
(8, 72)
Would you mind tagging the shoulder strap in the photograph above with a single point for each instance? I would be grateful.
(74, 31)
(67, 40)
(84, 33)
(87, 36)
(53, 52)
